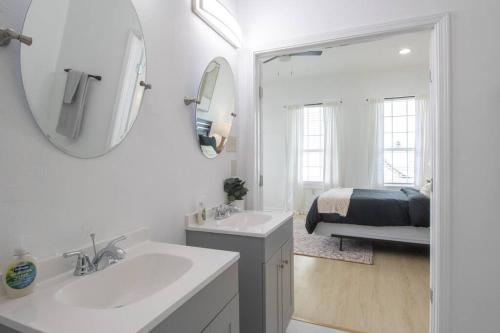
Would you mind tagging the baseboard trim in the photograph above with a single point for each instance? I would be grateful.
(325, 325)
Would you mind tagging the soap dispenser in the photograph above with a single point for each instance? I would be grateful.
(19, 279)
(201, 212)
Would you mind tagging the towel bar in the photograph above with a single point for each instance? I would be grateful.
(97, 77)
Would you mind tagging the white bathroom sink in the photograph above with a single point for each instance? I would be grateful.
(245, 219)
(132, 296)
(247, 223)
(126, 282)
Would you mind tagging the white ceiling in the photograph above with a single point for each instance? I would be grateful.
(382, 54)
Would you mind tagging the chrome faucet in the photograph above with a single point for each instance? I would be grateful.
(221, 212)
(109, 255)
(225, 210)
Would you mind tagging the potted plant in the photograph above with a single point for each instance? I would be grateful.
(236, 191)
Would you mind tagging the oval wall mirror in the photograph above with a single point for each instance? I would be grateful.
(215, 107)
(84, 76)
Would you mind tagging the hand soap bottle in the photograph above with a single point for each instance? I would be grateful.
(19, 279)
(201, 212)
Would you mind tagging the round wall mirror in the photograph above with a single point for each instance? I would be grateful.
(215, 108)
(84, 76)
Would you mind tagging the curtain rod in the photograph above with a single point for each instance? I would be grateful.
(399, 97)
(392, 98)
(315, 104)
(318, 104)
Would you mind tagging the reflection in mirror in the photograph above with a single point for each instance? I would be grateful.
(215, 107)
(83, 75)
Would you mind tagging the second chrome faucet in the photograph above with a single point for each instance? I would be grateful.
(225, 210)
(108, 255)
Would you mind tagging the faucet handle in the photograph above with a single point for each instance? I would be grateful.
(116, 240)
(83, 264)
(73, 254)
(119, 251)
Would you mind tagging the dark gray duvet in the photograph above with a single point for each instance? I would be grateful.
(407, 207)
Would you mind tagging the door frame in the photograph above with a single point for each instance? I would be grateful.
(440, 250)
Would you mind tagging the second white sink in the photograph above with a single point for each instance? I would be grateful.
(246, 223)
(125, 283)
(245, 219)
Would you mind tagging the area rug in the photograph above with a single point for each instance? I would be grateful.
(354, 250)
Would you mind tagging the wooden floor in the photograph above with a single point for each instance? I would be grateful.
(390, 296)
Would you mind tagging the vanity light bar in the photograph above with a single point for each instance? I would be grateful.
(220, 19)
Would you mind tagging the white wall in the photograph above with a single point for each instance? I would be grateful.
(352, 89)
(153, 178)
(475, 118)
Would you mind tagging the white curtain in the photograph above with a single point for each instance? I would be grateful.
(332, 146)
(299, 196)
(423, 138)
(295, 198)
(376, 138)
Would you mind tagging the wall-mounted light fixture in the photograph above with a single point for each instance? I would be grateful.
(219, 18)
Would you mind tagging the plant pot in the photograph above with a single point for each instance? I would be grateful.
(240, 204)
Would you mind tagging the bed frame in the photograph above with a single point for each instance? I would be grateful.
(404, 234)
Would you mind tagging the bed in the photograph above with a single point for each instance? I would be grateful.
(392, 215)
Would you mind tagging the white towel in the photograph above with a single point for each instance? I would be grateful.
(73, 81)
(335, 201)
(71, 115)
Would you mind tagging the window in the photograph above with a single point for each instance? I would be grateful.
(313, 144)
(399, 141)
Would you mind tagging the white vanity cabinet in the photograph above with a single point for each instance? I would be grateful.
(278, 289)
(265, 273)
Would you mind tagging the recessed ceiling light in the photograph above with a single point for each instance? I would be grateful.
(404, 51)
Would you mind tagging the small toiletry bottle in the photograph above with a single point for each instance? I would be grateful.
(19, 279)
(201, 214)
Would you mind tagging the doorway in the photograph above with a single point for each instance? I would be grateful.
(438, 103)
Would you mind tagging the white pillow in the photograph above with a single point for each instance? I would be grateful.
(426, 190)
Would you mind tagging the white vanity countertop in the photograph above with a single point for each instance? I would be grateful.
(247, 223)
(42, 312)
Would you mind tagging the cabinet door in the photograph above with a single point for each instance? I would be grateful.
(287, 282)
(272, 292)
(228, 320)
